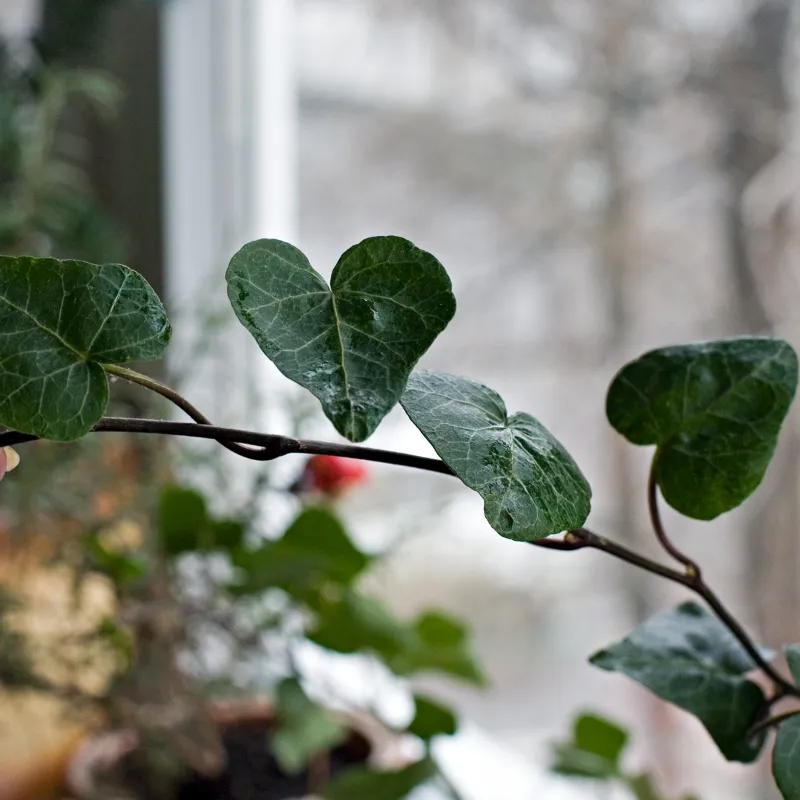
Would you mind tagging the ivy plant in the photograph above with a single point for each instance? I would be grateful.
(711, 411)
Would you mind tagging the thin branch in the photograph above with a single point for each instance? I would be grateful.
(581, 538)
(771, 722)
(705, 591)
(692, 567)
(273, 445)
(177, 399)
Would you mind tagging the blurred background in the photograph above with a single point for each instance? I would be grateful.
(598, 178)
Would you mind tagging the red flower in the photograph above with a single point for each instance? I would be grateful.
(330, 475)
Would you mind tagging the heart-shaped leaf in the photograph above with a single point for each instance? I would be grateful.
(59, 322)
(688, 657)
(354, 344)
(713, 409)
(530, 485)
(786, 758)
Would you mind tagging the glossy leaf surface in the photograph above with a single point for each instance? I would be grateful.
(529, 483)
(353, 344)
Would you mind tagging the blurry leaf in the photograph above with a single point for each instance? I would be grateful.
(353, 345)
(101, 89)
(530, 485)
(431, 719)
(600, 736)
(643, 787)
(226, 534)
(440, 644)
(304, 729)
(688, 657)
(361, 783)
(714, 410)
(353, 623)
(121, 568)
(314, 549)
(183, 518)
(184, 525)
(594, 750)
(786, 758)
(61, 320)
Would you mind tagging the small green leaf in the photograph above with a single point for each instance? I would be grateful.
(182, 519)
(786, 758)
(314, 550)
(688, 657)
(353, 623)
(304, 729)
(431, 719)
(354, 344)
(60, 321)
(530, 485)
(184, 524)
(439, 643)
(361, 783)
(595, 734)
(594, 750)
(713, 409)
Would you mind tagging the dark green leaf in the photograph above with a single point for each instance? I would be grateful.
(183, 518)
(60, 321)
(594, 750)
(315, 549)
(353, 345)
(688, 657)
(353, 623)
(184, 524)
(530, 485)
(441, 644)
(786, 758)
(713, 409)
(431, 719)
(361, 783)
(304, 729)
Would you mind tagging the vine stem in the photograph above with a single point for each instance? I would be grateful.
(692, 567)
(267, 447)
(691, 579)
(771, 722)
(180, 401)
(271, 446)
